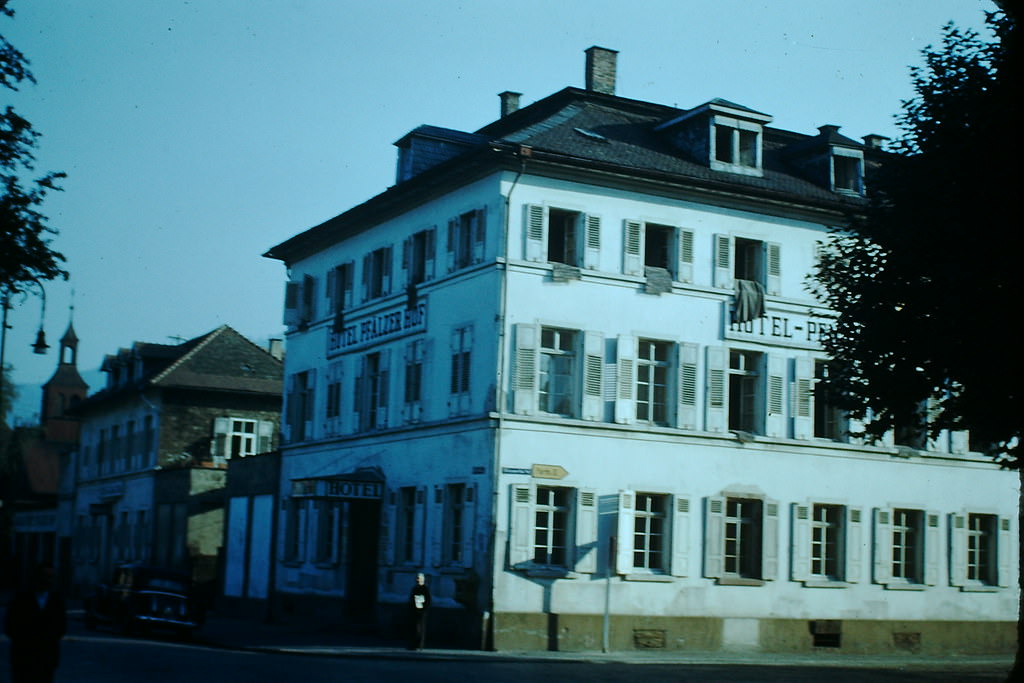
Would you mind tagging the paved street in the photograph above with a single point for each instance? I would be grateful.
(95, 656)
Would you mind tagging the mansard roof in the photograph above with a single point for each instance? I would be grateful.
(603, 138)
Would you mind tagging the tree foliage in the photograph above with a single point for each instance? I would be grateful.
(927, 282)
(25, 252)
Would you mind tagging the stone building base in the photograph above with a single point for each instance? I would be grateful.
(584, 632)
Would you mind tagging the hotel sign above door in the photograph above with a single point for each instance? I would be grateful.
(337, 488)
(364, 331)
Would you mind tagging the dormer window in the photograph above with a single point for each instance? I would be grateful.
(847, 170)
(736, 146)
(730, 136)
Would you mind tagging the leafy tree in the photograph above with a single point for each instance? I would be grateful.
(25, 253)
(927, 282)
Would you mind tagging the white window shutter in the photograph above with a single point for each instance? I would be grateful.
(367, 260)
(800, 544)
(525, 389)
(265, 436)
(593, 366)
(633, 248)
(419, 520)
(957, 549)
(431, 249)
(479, 234)
(468, 524)
(387, 529)
(330, 287)
(854, 544)
(592, 242)
(684, 238)
(291, 304)
(803, 398)
(686, 391)
(932, 547)
(773, 268)
(959, 442)
(520, 544)
(359, 394)
(536, 232)
(854, 427)
(218, 446)
(453, 236)
(586, 531)
(436, 525)
(625, 402)
(770, 540)
(624, 544)
(1004, 557)
(406, 261)
(384, 395)
(714, 537)
(775, 399)
(883, 545)
(723, 262)
(680, 536)
(716, 417)
(309, 403)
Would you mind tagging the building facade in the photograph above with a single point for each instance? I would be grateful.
(155, 443)
(566, 366)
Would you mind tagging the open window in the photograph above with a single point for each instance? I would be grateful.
(659, 252)
(562, 236)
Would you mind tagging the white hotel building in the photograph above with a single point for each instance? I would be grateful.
(565, 366)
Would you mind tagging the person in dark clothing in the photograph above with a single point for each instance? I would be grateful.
(419, 603)
(36, 621)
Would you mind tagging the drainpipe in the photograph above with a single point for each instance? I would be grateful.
(487, 635)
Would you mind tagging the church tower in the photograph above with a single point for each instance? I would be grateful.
(63, 391)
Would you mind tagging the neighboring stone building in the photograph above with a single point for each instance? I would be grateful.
(566, 364)
(154, 450)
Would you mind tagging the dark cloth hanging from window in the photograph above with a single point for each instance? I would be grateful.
(749, 302)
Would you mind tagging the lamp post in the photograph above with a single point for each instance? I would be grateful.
(39, 346)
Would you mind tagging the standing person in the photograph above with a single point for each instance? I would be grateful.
(419, 603)
(36, 621)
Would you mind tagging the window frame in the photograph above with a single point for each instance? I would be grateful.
(549, 355)
(581, 540)
(733, 132)
(676, 536)
(918, 570)
(754, 564)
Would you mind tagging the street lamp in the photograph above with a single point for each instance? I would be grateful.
(39, 346)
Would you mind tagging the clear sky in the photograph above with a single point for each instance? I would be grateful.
(196, 134)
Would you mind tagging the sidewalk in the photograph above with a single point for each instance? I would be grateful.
(316, 640)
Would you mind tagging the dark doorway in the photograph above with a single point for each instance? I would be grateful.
(364, 538)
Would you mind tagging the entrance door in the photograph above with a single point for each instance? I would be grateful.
(363, 543)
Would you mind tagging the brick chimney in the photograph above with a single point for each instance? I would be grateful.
(600, 76)
(509, 102)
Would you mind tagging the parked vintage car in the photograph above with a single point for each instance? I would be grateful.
(141, 598)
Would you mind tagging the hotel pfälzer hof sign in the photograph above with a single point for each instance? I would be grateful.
(386, 325)
(801, 330)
